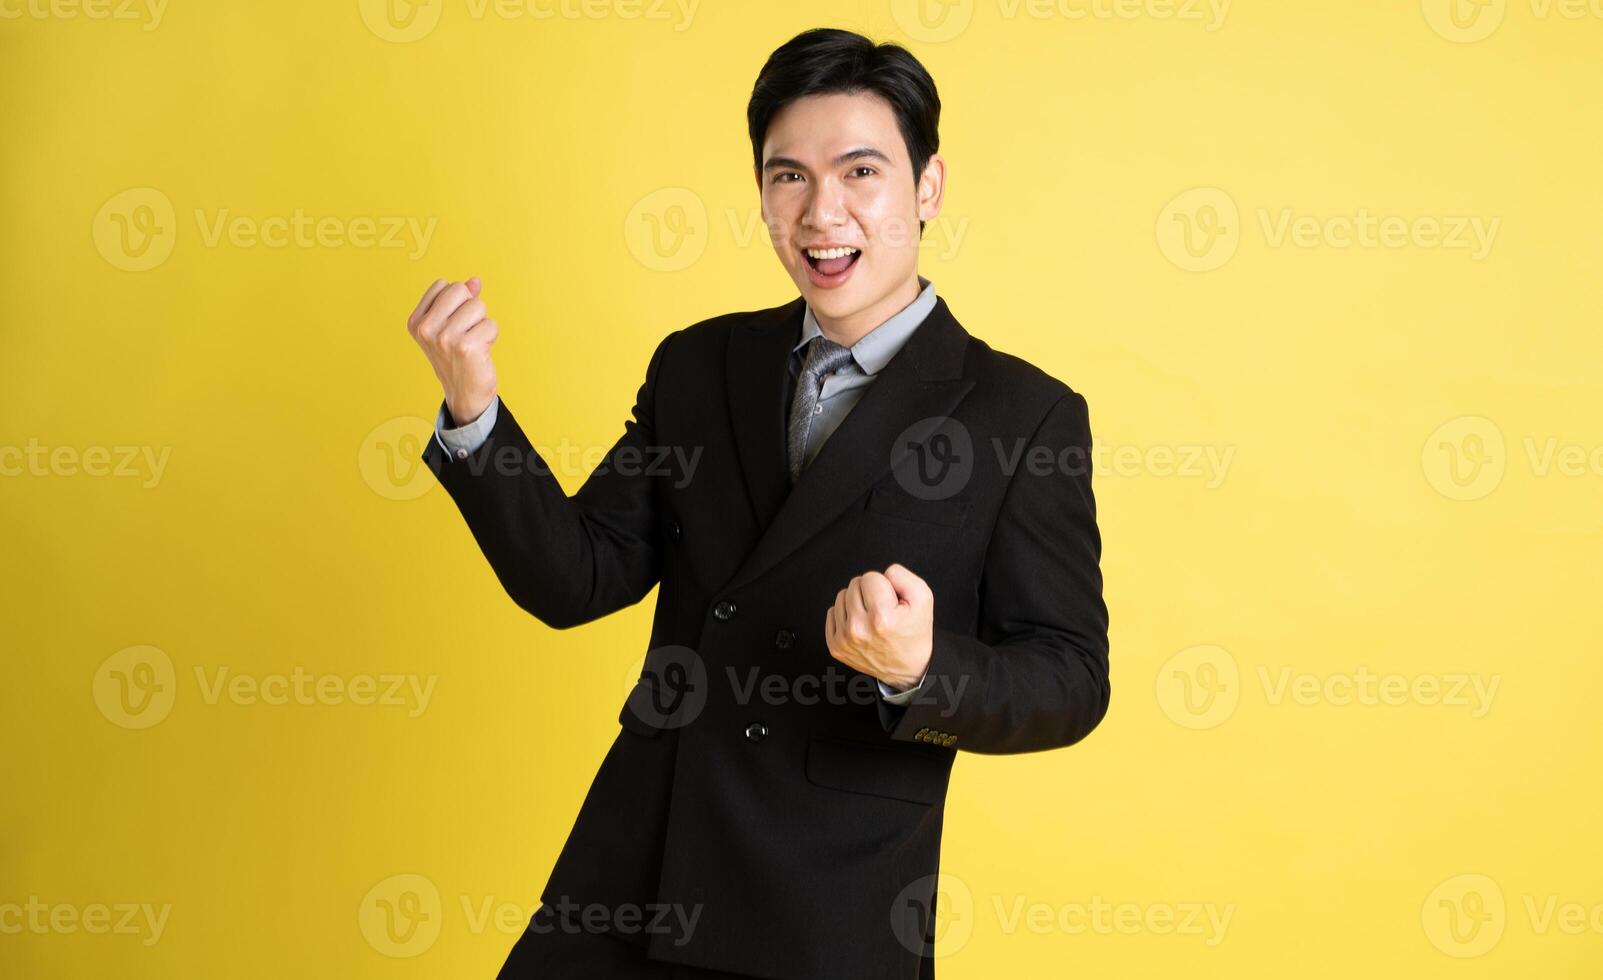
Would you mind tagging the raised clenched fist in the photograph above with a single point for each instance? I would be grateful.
(451, 326)
(882, 624)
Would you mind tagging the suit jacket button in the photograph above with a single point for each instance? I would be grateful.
(673, 530)
(755, 731)
(724, 610)
(783, 639)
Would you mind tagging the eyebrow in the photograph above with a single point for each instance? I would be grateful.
(860, 153)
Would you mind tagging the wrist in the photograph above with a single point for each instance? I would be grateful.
(903, 683)
(458, 414)
(908, 681)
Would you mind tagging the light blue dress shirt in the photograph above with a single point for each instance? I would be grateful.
(839, 394)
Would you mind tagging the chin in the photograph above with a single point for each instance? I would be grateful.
(837, 302)
(833, 303)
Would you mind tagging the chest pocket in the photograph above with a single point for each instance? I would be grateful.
(896, 502)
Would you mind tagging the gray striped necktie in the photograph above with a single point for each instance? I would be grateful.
(824, 357)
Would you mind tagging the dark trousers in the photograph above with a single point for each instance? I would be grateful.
(556, 949)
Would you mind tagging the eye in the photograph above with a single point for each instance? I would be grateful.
(865, 167)
(779, 178)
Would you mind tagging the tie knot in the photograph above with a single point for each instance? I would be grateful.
(824, 356)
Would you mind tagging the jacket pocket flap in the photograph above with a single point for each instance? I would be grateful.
(887, 500)
(863, 767)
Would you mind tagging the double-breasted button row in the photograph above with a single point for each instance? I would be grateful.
(934, 737)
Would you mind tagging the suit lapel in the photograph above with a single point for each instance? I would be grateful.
(755, 379)
(923, 381)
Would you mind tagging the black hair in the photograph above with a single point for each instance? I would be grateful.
(826, 61)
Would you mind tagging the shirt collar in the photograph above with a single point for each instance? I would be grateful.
(876, 348)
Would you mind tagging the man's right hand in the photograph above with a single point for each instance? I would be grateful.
(451, 327)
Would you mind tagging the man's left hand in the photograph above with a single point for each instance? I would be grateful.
(883, 624)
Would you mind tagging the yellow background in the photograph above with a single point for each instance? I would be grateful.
(291, 528)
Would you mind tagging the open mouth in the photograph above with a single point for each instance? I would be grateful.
(830, 266)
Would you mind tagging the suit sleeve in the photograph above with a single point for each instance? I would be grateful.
(1036, 674)
(564, 560)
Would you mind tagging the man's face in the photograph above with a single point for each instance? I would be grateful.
(836, 172)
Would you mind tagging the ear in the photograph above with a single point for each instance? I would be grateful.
(931, 188)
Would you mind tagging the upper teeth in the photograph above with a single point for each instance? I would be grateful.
(831, 253)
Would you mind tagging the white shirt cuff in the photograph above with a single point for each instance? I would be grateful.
(464, 439)
(903, 697)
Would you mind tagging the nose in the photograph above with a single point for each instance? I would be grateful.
(825, 205)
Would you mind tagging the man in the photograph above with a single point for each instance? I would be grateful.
(886, 552)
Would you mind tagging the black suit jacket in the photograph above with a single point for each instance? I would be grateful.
(799, 821)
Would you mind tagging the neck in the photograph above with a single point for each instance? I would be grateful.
(848, 330)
